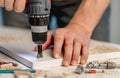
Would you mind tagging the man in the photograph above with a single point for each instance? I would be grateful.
(76, 35)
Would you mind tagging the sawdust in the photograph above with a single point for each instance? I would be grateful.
(54, 75)
(9, 38)
(95, 49)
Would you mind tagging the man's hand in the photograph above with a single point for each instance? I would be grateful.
(9, 5)
(75, 43)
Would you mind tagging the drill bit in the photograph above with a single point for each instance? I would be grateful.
(39, 55)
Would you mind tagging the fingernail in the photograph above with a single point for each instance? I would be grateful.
(74, 63)
(17, 9)
(56, 56)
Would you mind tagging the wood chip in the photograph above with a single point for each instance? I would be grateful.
(5, 65)
(22, 74)
(13, 68)
(54, 75)
(37, 74)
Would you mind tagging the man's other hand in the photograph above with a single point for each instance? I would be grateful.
(16, 5)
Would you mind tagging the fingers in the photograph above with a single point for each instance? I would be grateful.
(9, 5)
(19, 5)
(58, 43)
(84, 54)
(1, 3)
(76, 53)
(47, 44)
(68, 46)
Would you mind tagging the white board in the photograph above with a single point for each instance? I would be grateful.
(22, 51)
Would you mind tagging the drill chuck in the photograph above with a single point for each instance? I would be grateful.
(38, 12)
(39, 28)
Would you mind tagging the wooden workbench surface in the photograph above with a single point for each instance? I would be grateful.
(69, 74)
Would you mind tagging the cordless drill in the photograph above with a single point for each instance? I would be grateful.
(39, 12)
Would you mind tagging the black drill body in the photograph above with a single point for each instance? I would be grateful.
(39, 12)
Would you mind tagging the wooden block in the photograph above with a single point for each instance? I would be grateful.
(5, 66)
(9, 67)
(22, 74)
(13, 68)
(54, 75)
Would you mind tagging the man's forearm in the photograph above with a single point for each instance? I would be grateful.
(89, 13)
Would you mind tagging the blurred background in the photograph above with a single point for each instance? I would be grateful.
(1, 21)
(107, 30)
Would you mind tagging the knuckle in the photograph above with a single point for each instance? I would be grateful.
(85, 43)
(58, 32)
(77, 40)
(68, 37)
(69, 34)
(58, 39)
(69, 42)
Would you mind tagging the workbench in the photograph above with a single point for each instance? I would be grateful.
(114, 73)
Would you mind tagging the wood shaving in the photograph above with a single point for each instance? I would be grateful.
(54, 75)
(22, 74)
(13, 68)
(102, 49)
(95, 49)
(38, 74)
